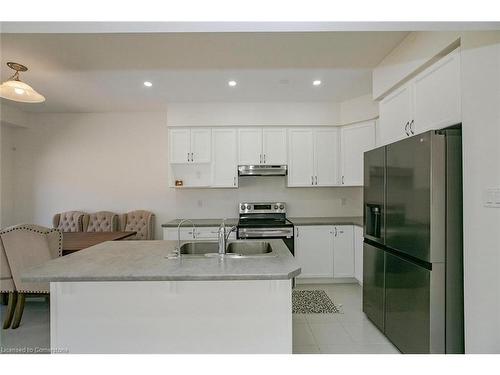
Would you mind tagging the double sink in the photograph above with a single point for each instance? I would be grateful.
(235, 249)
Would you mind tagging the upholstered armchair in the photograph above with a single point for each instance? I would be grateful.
(71, 221)
(28, 245)
(7, 286)
(103, 221)
(139, 221)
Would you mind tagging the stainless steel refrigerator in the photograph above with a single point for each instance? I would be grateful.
(413, 252)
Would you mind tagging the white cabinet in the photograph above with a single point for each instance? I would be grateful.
(224, 158)
(343, 251)
(200, 233)
(180, 145)
(395, 115)
(429, 101)
(354, 141)
(358, 254)
(314, 250)
(313, 157)
(436, 95)
(262, 146)
(190, 145)
(300, 157)
(250, 146)
(274, 146)
(326, 156)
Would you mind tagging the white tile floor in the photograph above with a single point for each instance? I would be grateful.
(349, 332)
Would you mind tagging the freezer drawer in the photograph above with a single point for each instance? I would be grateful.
(374, 284)
(414, 306)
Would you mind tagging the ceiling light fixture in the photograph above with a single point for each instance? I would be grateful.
(148, 84)
(232, 83)
(14, 89)
(316, 82)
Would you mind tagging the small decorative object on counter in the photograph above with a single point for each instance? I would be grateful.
(179, 183)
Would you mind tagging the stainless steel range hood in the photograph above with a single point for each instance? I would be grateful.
(262, 170)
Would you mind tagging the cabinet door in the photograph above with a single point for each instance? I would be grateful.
(180, 147)
(314, 250)
(300, 157)
(343, 251)
(326, 153)
(358, 254)
(250, 146)
(224, 158)
(437, 95)
(355, 140)
(274, 146)
(395, 115)
(200, 145)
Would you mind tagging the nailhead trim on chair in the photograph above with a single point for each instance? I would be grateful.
(8, 230)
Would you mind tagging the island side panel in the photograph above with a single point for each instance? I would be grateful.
(226, 316)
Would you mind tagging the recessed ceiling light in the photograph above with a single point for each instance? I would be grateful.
(232, 83)
(148, 84)
(317, 82)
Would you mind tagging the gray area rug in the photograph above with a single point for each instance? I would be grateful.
(312, 302)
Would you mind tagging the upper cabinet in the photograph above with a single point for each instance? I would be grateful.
(224, 158)
(262, 146)
(355, 140)
(189, 145)
(313, 157)
(431, 100)
(395, 115)
(437, 95)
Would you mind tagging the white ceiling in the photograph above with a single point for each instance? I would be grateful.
(105, 72)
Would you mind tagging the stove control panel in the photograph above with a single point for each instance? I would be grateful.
(262, 207)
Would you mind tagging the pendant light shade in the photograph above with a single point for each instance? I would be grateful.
(14, 89)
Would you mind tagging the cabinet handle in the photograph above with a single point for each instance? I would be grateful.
(406, 128)
(234, 181)
(188, 156)
(342, 180)
(335, 231)
(264, 158)
(260, 158)
(192, 156)
(316, 179)
(297, 232)
(411, 126)
(312, 180)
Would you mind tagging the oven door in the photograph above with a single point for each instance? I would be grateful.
(285, 233)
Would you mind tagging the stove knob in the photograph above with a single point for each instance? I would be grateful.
(276, 207)
(242, 206)
(282, 206)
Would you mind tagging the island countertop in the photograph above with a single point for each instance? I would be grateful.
(146, 261)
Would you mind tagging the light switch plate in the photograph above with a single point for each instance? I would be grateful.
(491, 198)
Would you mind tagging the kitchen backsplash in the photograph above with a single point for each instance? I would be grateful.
(214, 203)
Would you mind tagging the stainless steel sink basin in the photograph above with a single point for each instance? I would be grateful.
(249, 248)
(199, 248)
(235, 249)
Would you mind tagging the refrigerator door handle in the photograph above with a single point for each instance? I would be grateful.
(411, 126)
(406, 128)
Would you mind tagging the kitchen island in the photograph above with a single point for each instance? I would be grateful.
(131, 297)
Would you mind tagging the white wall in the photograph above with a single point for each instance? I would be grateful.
(259, 114)
(358, 109)
(417, 49)
(481, 140)
(118, 162)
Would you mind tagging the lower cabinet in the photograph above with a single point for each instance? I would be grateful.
(200, 233)
(325, 251)
(314, 250)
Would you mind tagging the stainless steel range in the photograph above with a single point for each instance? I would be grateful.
(265, 220)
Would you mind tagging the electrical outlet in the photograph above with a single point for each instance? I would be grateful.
(491, 198)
